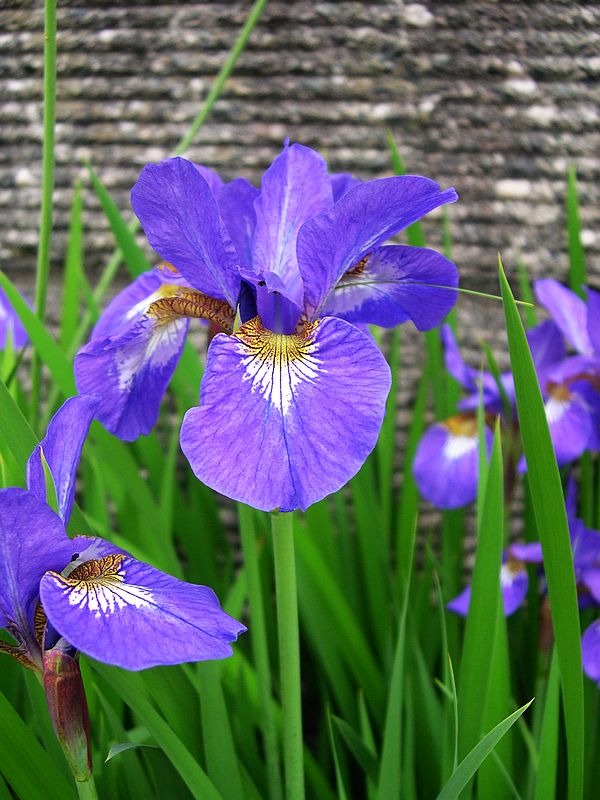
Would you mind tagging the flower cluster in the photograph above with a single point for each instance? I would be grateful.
(60, 595)
(294, 390)
(514, 580)
(445, 466)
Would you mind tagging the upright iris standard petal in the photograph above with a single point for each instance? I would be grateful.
(590, 651)
(446, 462)
(341, 183)
(568, 311)
(130, 373)
(294, 189)
(215, 182)
(593, 319)
(331, 244)
(547, 347)
(32, 540)
(10, 324)
(236, 204)
(124, 612)
(396, 283)
(62, 446)
(180, 217)
(285, 420)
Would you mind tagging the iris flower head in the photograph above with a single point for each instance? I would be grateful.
(59, 594)
(292, 399)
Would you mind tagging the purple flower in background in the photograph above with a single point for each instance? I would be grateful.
(514, 581)
(10, 325)
(292, 402)
(590, 651)
(571, 386)
(85, 594)
(446, 463)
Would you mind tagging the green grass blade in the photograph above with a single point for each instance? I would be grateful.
(551, 519)
(577, 271)
(72, 271)
(480, 628)
(545, 784)
(48, 350)
(48, 159)
(25, 764)
(127, 686)
(527, 294)
(471, 763)
(221, 759)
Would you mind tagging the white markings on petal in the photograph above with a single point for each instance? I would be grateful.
(556, 408)
(99, 586)
(276, 364)
(458, 446)
(158, 347)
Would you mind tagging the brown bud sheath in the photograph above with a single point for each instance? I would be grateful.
(67, 704)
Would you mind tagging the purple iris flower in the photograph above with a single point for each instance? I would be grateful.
(514, 581)
(572, 387)
(84, 594)
(292, 401)
(10, 324)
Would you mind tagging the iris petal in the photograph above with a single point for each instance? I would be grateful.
(285, 420)
(9, 321)
(446, 462)
(364, 218)
(590, 651)
(62, 446)
(396, 283)
(567, 310)
(236, 204)
(294, 188)
(181, 220)
(130, 373)
(32, 540)
(124, 612)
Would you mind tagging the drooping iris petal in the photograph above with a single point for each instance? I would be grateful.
(513, 587)
(62, 446)
(133, 302)
(567, 310)
(396, 283)
(590, 651)
(446, 462)
(10, 322)
(130, 373)
(180, 217)
(514, 584)
(236, 204)
(364, 218)
(124, 612)
(285, 420)
(294, 189)
(569, 422)
(590, 578)
(341, 183)
(32, 540)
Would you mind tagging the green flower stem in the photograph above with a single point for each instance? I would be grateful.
(282, 526)
(43, 258)
(87, 789)
(260, 649)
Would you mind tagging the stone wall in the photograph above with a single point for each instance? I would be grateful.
(494, 98)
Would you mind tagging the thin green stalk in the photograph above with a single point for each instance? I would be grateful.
(43, 258)
(260, 649)
(115, 260)
(87, 789)
(282, 527)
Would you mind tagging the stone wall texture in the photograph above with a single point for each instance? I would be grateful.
(496, 98)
